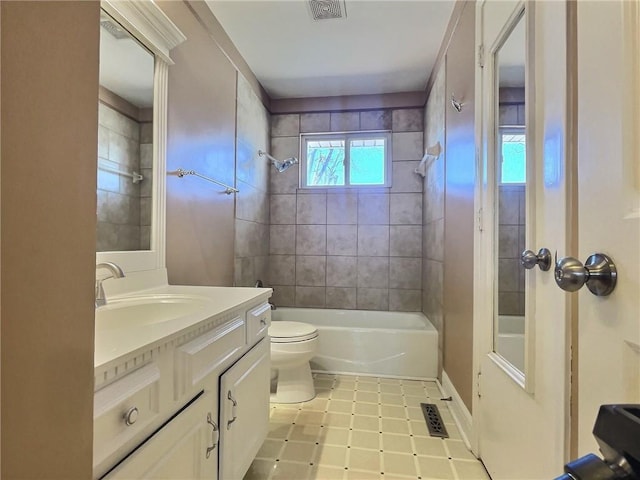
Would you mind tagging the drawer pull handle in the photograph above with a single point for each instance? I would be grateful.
(131, 416)
(263, 321)
(215, 436)
(234, 406)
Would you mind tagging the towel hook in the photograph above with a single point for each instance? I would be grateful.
(455, 104)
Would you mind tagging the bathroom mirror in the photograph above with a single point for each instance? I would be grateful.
(125, 140)
(511, 190)
(135, 44)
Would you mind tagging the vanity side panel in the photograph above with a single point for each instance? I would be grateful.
(201, 137)
(48, 142)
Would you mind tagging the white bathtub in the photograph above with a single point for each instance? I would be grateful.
(510, 340)
(392, 344)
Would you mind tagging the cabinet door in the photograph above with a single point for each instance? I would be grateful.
(184, 448)
(244, 411)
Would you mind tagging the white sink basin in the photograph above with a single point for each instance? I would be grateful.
(148, 310)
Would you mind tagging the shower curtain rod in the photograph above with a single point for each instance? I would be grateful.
(228, 190)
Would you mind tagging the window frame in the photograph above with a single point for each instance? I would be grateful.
(347, 137)
(511, 130)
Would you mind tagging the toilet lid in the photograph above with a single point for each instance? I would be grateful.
(284, 332)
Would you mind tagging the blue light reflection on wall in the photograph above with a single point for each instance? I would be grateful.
(553, 157)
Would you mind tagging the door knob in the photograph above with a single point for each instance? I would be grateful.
(598, 273)
(529, 259)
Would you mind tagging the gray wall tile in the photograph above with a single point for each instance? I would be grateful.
(341, 297)
(404, 177)
(408, 120)
(405, 209)
(372, 299)
(283, 296)
(373, 209)
(283, 209)
(405, 241)
(342, 208)
(311, 239)
(310, 297)
(433, 236)
(342, 271)
(282, 269)
(375, 120)
(342, 237)
(285, 125)
(407, 146)
(405, 273)
(282, 239)
(405, 300)
(373, 272)
(373, 240)
(310, 271)
(345, 121)
(342, 240)
(315, 122)
(312, 209)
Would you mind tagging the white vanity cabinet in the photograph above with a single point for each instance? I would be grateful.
(192, 405)
(185, 448)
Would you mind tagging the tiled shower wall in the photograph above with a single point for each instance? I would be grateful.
(124, 207)
(348, 248)
(511, 224)
(433, 219)
(511, 232)
(252, 179)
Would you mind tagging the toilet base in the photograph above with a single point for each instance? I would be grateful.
(295, 385)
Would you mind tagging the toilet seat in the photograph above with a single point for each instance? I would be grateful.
(290, 332)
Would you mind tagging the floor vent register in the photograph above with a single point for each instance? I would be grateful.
(434, 420)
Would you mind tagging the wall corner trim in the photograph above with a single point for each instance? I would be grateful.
(461, 415)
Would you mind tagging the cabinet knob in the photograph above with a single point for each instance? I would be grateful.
(131, 416)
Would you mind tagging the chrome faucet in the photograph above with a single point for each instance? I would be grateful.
(116, 272)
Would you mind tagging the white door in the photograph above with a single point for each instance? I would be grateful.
(244, 411)
(186, 448)
(521, 319)
(609, 221)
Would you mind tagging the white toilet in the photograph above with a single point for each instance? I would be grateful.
(293, 344)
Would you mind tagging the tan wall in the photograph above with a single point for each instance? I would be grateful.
(201, 123)
(49, 73)
(459, 208)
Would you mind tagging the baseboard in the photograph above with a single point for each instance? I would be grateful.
(377, 375)
(459, 410)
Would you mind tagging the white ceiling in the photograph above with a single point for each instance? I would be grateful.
(383, 46)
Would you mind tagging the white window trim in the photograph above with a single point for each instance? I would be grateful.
(346, 136)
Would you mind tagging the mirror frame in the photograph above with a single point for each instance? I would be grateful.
(151, 27)
(523, 12)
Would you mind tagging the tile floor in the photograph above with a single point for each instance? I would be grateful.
(361, 428)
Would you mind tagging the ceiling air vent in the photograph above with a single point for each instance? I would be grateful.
(327, 9)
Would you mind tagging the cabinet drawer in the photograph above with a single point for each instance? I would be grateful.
(258, 321)
(124, 410)
(201, 356)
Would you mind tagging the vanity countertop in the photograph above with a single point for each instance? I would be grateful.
(112, 343)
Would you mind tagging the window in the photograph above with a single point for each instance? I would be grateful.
(513, 168)
(357, 159)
